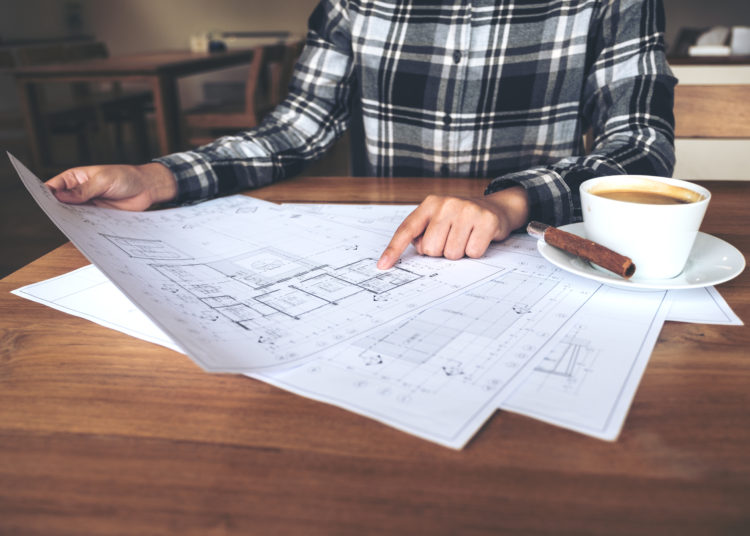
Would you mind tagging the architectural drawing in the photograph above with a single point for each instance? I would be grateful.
(268, 281)
(141, 248)
(567, 365)
(245, 285)
(588, 372)
(431, 347)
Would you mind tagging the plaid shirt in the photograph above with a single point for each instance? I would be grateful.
(497, 89)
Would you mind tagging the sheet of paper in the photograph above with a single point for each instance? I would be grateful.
(588, 376)
(588, 380)
(441, 373)
(531, 287)
(88, 293)
(701, 306)
(439, 383)
(383, 219)
(436, 374)
(245, 285)
(448, 392)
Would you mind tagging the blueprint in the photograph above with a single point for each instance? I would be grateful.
(438, 374)
(575, 384)
(431, 375)
(455, 340)
(244, 285)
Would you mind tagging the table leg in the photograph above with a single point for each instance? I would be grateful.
(167, 111)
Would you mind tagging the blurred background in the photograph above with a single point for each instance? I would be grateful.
(135, 26)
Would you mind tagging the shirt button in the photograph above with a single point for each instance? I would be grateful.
(447, 119)
(457, 56)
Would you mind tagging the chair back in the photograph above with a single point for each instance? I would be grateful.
(266, 85)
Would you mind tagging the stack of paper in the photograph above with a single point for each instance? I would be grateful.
(290, 295)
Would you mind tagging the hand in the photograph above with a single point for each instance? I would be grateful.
(453, 227)
(117, 186)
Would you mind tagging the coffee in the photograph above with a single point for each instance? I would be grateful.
(634, 196)
(647, 192)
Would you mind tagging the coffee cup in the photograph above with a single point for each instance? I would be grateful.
(652, 220)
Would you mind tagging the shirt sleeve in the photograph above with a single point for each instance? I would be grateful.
(627, 101)
(298, 131)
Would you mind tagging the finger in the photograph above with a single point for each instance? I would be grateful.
(412, 227)
(64, 181)
(478, 242)
(487, 227)
(457, 240)
(433, 241)
(70, 186)
(417, 243)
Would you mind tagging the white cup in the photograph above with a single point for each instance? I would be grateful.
(657, 237)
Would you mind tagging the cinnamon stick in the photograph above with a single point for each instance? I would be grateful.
(586, 249)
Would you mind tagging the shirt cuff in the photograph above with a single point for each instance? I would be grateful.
(196, 179)
(550, 198)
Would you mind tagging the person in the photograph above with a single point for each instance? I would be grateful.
(476, 88)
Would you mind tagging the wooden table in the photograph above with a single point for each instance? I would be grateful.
(101, 433)
(161, 70)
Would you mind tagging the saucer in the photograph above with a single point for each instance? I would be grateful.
(712, 261)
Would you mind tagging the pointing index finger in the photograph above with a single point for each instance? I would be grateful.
(413, 226)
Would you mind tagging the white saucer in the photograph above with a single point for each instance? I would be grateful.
(712, 261)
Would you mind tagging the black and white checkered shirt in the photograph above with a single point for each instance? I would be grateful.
(474, 88)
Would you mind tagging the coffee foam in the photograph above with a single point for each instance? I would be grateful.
(633, 184)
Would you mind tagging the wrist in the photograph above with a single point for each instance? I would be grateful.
(159, 182)
(513, 203)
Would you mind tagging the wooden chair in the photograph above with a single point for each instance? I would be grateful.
(89, 112)
(715, 120)
(266, 85)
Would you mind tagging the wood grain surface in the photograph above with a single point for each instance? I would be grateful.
(716, 111)
(104, 434)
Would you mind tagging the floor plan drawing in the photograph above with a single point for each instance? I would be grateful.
(438, 372)
(140, 248)
(432, 346)
(267, 282)
(246, 285)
